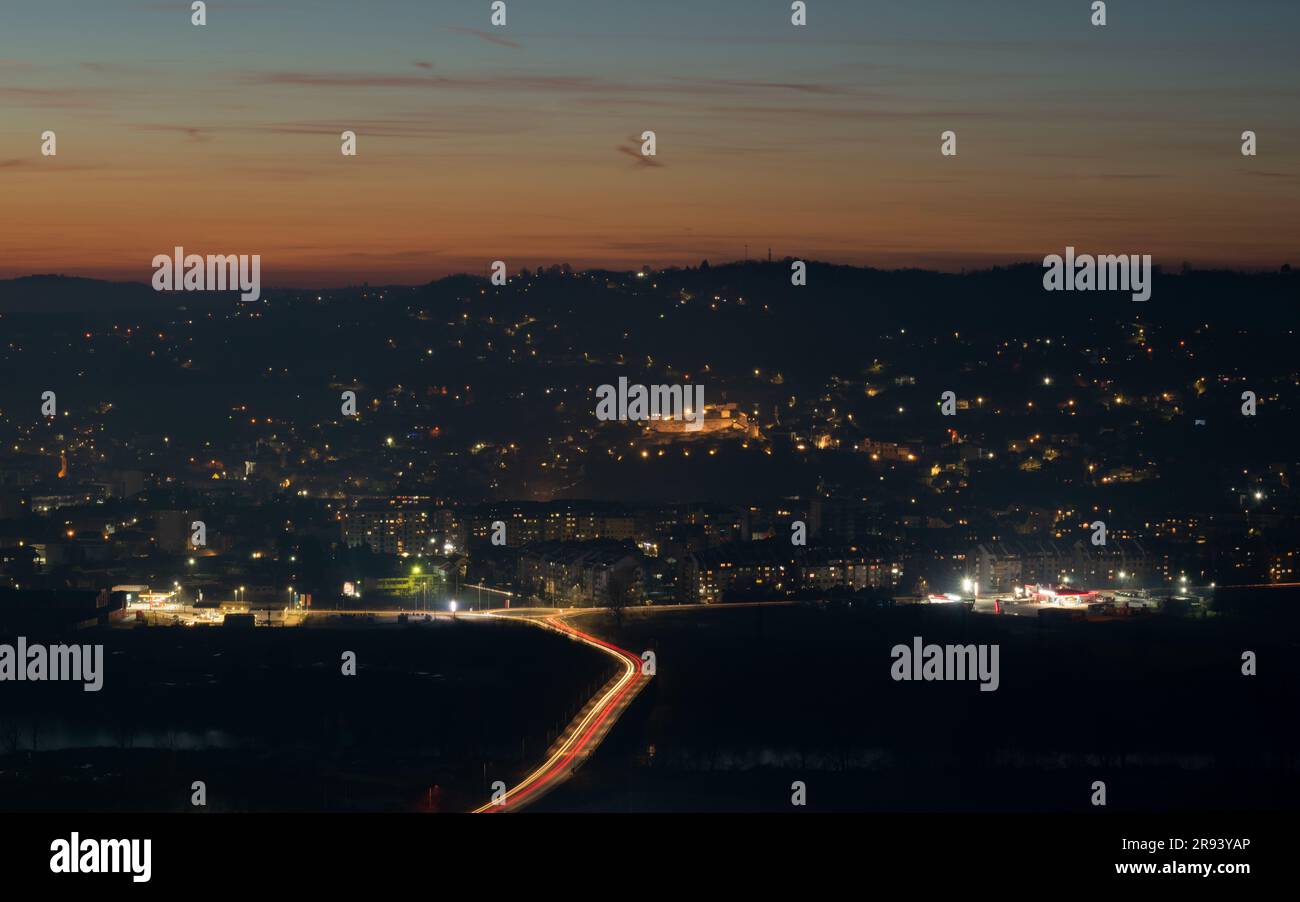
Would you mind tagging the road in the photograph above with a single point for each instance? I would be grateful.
(588, 728)
(598, 717)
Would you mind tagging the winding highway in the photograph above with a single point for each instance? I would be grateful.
(592, 723)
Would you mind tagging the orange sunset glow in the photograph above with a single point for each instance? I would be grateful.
(474, 147)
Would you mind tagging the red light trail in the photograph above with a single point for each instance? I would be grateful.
(588, 734)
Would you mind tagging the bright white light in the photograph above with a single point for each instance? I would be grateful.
(453, 607)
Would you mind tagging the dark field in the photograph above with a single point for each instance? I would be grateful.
(748, 700)
(265, 718)
(745, 701)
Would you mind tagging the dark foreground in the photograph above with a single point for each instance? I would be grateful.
(267, 721)
(748, 701)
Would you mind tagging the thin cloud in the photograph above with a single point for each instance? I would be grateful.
(488, 36)
(398, 124)
(361, 80)
(749, 85)
(635, 153)
(54, 97)
(196, 133)
(50, 165)
(115, 69)
(1132, 176)
(580, 84)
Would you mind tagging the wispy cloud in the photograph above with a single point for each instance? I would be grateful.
(55, 97)
(1265, 174)
(402, 123)
(633, 150)
(197, 133)
(34, 166)
(115, 69)
(1126, 176)
(488, 36)
(740, 84)
(518, 82)
(525, 81)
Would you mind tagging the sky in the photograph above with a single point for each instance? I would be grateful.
(522, 143)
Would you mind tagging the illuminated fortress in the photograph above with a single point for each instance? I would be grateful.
(720, 421)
